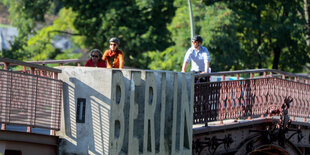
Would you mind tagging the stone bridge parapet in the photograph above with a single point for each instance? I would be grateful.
(109, 111)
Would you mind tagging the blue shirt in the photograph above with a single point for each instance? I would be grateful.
(198, 58)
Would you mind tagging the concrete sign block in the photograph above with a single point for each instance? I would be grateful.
(126, 111)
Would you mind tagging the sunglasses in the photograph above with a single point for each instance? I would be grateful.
(112, 44)
(96, 56)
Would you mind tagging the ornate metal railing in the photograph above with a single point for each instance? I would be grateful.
(31, 97)
(250, 97)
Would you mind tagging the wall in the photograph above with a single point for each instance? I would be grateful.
(126, 111)
(27, 148)
(27, 143)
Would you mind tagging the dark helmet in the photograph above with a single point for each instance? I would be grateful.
(115, 40)
(197, 38)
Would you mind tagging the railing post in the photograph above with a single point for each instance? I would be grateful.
(29, 129)
(251, 77)
(32, 71)
(3, 126)
(293, 118)
(55, 75)
(268, 116)
(52, 132)
(6, 67)
(249, 117)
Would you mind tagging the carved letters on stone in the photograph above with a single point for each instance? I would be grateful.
(151, 112)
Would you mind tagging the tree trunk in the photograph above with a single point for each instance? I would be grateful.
(276, 53)
(307, 18)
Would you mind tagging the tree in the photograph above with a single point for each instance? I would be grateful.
(139, 24)
(215, 24)
(24, 15)
(306, 16)
(172, 57)
(271, 33)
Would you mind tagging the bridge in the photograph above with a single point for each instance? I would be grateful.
(130, 111)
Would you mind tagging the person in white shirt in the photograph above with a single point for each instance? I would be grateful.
(199, 56)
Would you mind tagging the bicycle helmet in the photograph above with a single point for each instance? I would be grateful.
(115, 40)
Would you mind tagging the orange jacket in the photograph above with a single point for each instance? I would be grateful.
(114, 59)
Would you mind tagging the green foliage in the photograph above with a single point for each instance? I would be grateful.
(270, 34)
(16, 52)
(32, 44)
(40, 45)
(155, 34)
(26, 13)
(172, 57)
(140, 25)
(167, 60)
(217, 25)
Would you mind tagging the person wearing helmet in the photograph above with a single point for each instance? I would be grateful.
(96, 59)
(113, 56)
(198, 55)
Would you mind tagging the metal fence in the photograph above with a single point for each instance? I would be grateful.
(31, 97)
(252, 97)
(30, 100)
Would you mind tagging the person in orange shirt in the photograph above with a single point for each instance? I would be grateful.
(113, 56)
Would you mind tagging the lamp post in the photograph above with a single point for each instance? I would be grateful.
(191, 18)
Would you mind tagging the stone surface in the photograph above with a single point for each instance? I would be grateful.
(126, 111)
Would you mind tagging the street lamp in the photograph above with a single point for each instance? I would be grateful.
(191, 18)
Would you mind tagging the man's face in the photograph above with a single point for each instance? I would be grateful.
(113, 46)
(196, 44)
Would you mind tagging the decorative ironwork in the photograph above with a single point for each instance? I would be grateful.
(277, 132)
(212, 144)
(215, 101)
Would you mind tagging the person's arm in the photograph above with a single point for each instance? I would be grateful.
(121, 61)
(206, 61)
(104, 58)
(207, 64)
(184, 66)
